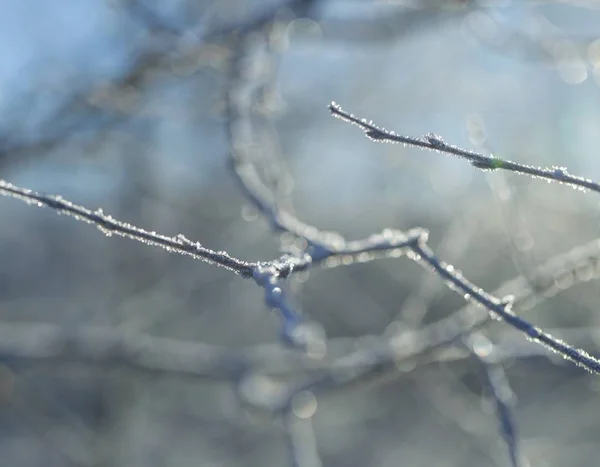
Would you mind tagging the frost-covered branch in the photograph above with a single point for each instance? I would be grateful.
(478, 160)
(109, 226)
(501, 309)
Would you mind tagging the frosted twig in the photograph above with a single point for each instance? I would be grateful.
(478, 160)
(108, 225)
(501, 309)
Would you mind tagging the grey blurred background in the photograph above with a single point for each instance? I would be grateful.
(121, 105)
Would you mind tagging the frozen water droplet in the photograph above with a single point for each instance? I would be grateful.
(434, 139)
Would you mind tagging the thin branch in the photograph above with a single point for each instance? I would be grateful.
(478, 160)
(501, 309)
(109, 226)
